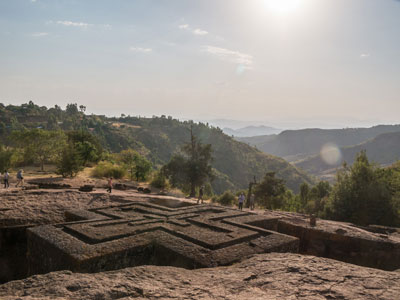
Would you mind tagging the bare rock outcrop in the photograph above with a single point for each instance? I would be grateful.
(273, 276)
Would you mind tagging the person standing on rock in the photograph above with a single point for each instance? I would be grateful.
(241, 200)
(6, 176)
(201, 192)
(252, 200)
(109, 185)
(20, 178)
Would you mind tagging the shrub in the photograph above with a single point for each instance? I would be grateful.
(214, 199)
(160, 181)
(107, 169)
(227, 198)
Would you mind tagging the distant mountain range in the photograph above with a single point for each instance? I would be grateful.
(310, 141)
(251, 131)
(302, 147)
(383, 149)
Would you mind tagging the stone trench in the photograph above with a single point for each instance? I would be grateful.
(177, 233)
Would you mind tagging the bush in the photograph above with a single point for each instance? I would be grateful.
(160, 181)
(227, 198)
(107, 169)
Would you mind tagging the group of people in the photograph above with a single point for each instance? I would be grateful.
(242, 198)
(6, 177)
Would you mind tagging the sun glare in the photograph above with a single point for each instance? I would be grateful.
(282, 7)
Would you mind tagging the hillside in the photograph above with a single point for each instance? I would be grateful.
(292, 144)
(158, 138)
(235, 163)
(383, 149)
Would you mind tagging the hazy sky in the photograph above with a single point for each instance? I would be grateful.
(320, 62)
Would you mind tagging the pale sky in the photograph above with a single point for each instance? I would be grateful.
(277, 61)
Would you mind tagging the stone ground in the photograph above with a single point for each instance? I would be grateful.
(274, 276)
(265, 276)
(47, 206)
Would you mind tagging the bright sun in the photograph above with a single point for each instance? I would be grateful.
(282, 7)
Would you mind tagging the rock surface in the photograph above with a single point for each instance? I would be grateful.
(273, 276)
(20, 207)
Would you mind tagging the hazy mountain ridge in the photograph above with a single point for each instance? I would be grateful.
(383, 149)
(251, 131)
(310, 141)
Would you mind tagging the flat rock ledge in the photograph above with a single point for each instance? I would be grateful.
(273, 276)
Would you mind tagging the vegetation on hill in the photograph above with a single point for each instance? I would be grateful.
(158, 139)
(365, 194)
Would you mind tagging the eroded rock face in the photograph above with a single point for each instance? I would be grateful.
(342, 241)
(273, 276)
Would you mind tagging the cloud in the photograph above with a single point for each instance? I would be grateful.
(73, 24)
(39, 34)
(141, 50)
(196, 31)
(230, 56)
(365, 55)
(184, 26)
(199, 32)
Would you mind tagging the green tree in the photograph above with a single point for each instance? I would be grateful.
(136, 164)
(270, 191)
(87, 152)
(318, 196)
(70, 162)
(192, 167)
(362, 195)
(40, 145)
(72, 109)
(87, 145)
(143, 168)
(304, 192)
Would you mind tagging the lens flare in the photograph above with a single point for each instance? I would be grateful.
(331, 154)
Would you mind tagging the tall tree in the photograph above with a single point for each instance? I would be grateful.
(192, 166)
(70, 162)
(304, 191)
(270, 191)
(86, 144)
